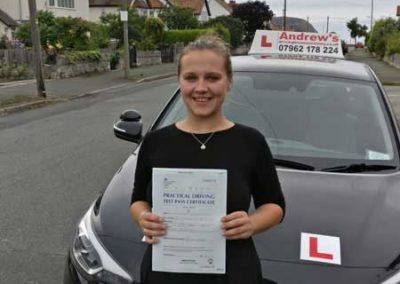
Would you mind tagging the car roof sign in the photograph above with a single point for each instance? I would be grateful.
(296, 43)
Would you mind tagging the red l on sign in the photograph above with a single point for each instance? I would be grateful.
(314, 250)
(264, 42)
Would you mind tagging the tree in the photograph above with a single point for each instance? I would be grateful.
(154, 29)
(383, 36)
(113, 26)
(356, 30)
(47, 30)
(234, 25)
(253, 16)
(179, 18)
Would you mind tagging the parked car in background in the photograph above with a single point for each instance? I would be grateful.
(359, 45)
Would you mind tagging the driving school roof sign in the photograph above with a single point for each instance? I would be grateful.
(299, 43)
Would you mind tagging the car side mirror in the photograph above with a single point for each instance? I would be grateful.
(129, 126)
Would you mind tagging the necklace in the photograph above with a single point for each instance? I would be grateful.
(203, 144)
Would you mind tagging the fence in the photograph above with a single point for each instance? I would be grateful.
(20, 56)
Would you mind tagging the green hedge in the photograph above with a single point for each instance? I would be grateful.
(73, 57)
(186, 36)
(393, 43)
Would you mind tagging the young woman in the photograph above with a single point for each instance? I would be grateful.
(205, 138)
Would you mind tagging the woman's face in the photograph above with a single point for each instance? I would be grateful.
(204, 83)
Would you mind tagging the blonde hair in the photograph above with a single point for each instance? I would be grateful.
(212, 43)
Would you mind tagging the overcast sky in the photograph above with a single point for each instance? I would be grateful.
(339, 12)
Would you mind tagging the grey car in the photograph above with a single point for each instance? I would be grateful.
(335, 142)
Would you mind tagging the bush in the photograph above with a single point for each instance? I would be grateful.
(154, 30)
(73, 57)
(381, 32)
(222, 32)
(3, 42)
(146, 44)
(114, 60)
(393, 43)
(14, 72)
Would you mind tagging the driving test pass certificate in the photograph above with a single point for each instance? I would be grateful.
(192, 202)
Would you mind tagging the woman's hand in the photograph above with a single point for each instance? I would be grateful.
(152, 226)
(237, 225)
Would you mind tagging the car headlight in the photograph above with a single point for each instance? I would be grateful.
(92, 259)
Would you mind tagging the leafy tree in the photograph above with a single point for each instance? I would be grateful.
(234, 25)
(48, 32)
(154, 29)
(253, 15)
(179, 18)
(114, 27)
(112, 24)
(382, 32)
(74, 33)
(356, 29)
(64, 32)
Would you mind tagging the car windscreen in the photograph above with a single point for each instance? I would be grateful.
(320, 121)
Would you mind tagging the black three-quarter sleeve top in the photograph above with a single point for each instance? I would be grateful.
(244, 153)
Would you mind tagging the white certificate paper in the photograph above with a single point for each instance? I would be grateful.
(192, 202)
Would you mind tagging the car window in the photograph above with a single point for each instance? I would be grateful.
(309, 118)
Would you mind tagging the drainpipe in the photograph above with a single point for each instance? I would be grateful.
(20, 10)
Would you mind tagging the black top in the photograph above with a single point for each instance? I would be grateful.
(244, 153)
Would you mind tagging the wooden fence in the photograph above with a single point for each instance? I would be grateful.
(20, 56)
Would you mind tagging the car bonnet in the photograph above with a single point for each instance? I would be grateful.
(361, 210)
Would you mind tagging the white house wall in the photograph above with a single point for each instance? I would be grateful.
(4, 30)
(203, 17)
(11, 7)
(216, 9)
(19, 9)
(81, 9)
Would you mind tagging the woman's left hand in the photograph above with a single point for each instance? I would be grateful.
(237, 225)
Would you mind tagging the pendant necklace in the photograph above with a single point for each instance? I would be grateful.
(203, 144)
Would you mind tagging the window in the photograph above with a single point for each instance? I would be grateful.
(62, 3)
(320, 121)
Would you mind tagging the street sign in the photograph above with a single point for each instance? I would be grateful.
(124, 16)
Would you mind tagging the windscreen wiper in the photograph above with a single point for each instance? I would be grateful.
(293, 165)
(358, 168)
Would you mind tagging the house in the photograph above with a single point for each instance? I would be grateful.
(203, 9)
(219, 8)
(100, 7)
(144, 7)
(200, 7)
(18, 10)
(149, 7)
(7, 25)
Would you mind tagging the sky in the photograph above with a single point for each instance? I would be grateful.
(339, 12)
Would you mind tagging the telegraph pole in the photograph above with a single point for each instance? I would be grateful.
(41, 89)
(327, 24)
(284, 15)
(124, 18)
(372, 14)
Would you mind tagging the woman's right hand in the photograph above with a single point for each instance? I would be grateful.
(152, 226)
